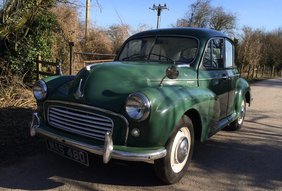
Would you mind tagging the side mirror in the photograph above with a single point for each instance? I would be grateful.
(172, 72)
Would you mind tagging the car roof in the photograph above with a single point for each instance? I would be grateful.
(199, 33)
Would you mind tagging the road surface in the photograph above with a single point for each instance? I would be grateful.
(249, 159)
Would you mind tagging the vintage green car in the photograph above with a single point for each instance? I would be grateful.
(165, 89)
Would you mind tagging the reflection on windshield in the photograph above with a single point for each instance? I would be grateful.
(162, 49)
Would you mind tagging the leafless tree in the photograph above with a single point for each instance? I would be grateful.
(198, 15)
(251, 50)
(118, 34)
(273, 52)
(98, 42)
(202, 14)
(259, 52)
(222, 21)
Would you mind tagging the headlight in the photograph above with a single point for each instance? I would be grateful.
(40, 90)
(138, 106)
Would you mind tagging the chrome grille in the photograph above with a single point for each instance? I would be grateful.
(79, 122)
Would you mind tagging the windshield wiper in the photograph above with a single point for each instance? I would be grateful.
(162, 56)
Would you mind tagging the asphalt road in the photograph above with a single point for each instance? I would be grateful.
(249, 159)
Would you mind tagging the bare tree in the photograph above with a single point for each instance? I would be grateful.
(222, 21)
(98, 42)
(68, 31)
(251, 50)
(260, 51)
(202, 14)
(118, 34)
(142, 27)
(273, 51)
(198, 15)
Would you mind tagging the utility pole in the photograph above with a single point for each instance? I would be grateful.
(87, 19)
(159, 9)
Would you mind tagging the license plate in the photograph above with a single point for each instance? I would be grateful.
(68, 152)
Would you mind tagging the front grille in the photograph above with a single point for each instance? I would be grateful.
(79, 122)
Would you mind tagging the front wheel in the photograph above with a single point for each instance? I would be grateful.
(173, 166)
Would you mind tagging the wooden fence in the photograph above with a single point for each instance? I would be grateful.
(77, 61)
(46, 68)
(82, 59)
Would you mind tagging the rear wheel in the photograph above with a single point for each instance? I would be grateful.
(238, 123)
(173, 166)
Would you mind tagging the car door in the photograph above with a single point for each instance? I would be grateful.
(212, 74)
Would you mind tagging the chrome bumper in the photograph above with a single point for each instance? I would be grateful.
(107, 151)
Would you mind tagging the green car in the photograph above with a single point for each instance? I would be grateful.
(165, 89)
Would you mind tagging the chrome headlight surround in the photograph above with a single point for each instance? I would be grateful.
(137, 106)
(40, 90)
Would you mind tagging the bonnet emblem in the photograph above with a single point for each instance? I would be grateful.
(78, 94)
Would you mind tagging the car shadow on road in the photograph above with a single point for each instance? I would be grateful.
(260, 163)
(15, 140)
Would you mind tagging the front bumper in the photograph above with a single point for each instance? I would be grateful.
(107, 150)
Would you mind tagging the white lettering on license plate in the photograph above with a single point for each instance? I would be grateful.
(68, 152)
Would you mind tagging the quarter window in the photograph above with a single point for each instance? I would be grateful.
(229, 54)
(214, 54)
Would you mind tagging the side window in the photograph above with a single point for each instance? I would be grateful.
(229, 54)
(214, 54)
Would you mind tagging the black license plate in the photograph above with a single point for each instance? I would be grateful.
(68, 152)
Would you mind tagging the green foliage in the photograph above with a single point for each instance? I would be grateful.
(38, 41)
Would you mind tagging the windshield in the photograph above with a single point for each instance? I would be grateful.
(161, 49)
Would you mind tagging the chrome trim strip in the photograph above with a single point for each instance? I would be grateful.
(100, 150)
(79, 121)
(78, 94)
(35, 123)
(94, 108)
(61, 123)
(218, 78)
(102, 118)
(59, 112)
(108, 147)
(77, 131)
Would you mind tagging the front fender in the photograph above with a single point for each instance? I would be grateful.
(55, 84)
(168, 104)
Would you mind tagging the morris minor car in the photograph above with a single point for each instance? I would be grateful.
(165, 89)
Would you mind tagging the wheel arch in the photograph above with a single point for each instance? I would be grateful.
(194, 115)
(248, 97)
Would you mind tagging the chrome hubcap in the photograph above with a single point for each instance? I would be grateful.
(242, 112)
(182, 150)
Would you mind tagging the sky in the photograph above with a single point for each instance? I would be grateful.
(258, 14)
